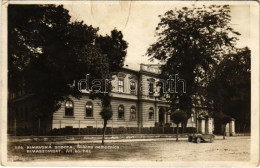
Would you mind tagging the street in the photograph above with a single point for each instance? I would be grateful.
(167, 149)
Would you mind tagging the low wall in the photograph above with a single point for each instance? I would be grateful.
(110, 131)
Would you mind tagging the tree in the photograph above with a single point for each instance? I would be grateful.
(178, 117)
(230, 86)
(106, 113)
(49, 54)
(37, 53)
(114, 48)
(190, 42)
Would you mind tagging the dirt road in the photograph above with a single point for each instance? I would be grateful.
(231, 149)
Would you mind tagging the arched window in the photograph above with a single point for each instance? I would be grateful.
(151, 113)
(69, 108)
(132, 113)
(121, 112)
(89, 109)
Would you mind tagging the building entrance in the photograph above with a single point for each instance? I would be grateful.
(161, 116)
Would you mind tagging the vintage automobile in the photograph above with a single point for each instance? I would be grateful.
(201, 138)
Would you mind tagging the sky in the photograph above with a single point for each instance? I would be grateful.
(138, 19)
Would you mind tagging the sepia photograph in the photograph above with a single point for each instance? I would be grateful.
(130, 83)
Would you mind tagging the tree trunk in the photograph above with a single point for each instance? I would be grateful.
(104, 130)
(184, 126)
(224, 134)
(177, 132)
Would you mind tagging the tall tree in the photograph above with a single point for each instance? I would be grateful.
(48, 54)
(114, 47)
(230, 87)
(190, 41)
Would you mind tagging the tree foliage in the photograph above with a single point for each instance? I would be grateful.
(178, 117)
(48, 53)
(230, 87)
(190, 42)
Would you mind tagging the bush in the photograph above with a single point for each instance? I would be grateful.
(100, 131)
(145, 130)
(132, 130)
(108, 131)
(119, 130)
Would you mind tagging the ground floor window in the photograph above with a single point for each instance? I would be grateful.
(69, 108)
(121, 112)
(133, 113)
(89, 109)
(151, 113)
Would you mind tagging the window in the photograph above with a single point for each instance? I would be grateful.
(151, 91)
(89, 109)
(121, 112)
(151, 114)
(120, 85)
(69, 108)
(132, 113)
(132, 87)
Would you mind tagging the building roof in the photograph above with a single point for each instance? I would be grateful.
(151, 68)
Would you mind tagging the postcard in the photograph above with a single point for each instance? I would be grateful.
(130, 83)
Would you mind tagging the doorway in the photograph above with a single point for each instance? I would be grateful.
(161, 116)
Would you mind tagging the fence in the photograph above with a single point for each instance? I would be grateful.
(95, 127)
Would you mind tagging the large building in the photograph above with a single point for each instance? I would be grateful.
(135, 104)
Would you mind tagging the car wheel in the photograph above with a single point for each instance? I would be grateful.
(211, 140)
(198, 140)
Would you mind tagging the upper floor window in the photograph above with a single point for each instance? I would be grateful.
(121, 112)
(120, 85)
(151, 88)
(132, 87)
(132, 113)
(89, 109)
(151, 113)
(69, 108)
